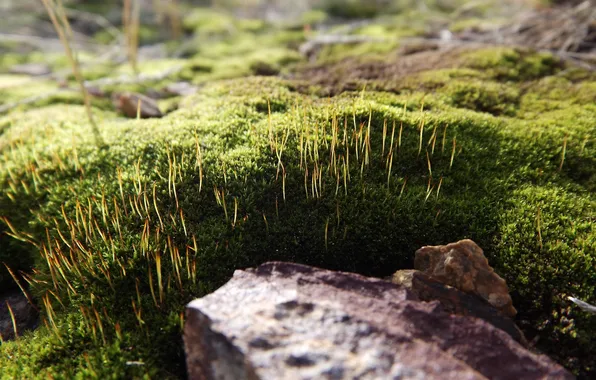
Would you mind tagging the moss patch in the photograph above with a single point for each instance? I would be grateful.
(513, 64)
(249, 171)
(483, 96)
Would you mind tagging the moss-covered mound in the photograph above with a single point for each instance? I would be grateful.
(249, 170)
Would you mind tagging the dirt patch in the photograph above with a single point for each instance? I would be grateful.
(352, 74)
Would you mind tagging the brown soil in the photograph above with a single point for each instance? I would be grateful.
(567, 28)
(352, 74)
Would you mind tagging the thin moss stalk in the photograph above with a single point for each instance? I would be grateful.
(130, 21)
(55, 10)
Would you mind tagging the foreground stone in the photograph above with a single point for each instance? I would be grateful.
(454, 301)
(289, 321)
(463, 266)
(132, 105)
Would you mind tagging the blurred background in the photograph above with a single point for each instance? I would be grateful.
(119, 42)
(565, 25)
(135, 45)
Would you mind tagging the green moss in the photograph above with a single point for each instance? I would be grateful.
(244, 211)
(103, 36)
(208, 22)
(513, 64)
(556, 93)
(313, 17)
(252, 25)
(436, 79)
(546, 249)
(16, 87)
(24, 92)
(148, 34)
(55, 61)
(476, 24)
(237, 47)
(483, 96)
(350, 9)
(7, 60)
(379, 39)
(371, 50)
(238, 57)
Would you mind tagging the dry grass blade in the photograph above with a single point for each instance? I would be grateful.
(175, 22)
(583, 305)
(56, 13)
(563, 152)
(130, 21)
(159, 277)
(14, 321)
(538, 227)
(25, 293)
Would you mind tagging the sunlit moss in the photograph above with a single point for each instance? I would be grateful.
(246, 208)
(513, 64)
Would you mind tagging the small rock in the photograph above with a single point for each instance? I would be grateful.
(155, 94)
(290, 321)
(129, 103)
(180, 89)
(264, 69)
(455, 301)
(463, 266)
(445, 35)
(95, 91)
(33, 69)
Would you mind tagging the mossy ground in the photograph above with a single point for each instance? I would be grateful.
(498, 148)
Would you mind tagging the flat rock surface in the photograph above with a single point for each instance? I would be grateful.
(289, 321)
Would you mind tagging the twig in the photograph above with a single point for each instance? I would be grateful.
(130, 20)
(45, 43)
(96, 18)
(62, 26)
(583, 305)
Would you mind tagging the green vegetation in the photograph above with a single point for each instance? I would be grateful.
(500, 150)
(512, 64)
